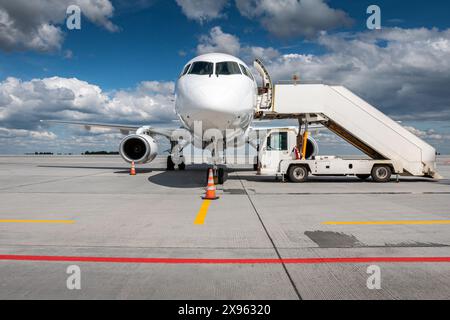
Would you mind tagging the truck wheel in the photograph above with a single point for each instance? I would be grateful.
(363, 176)
(298, 174)
(381, 173)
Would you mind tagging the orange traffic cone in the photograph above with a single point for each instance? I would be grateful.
(133, 169)
(211, 188)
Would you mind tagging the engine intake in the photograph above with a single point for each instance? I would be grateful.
(138, 148)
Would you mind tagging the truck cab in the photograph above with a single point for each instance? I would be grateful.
(277, 146)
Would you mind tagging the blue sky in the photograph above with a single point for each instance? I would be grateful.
(155, 38)
(151, 38)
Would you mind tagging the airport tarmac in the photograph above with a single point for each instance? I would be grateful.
(134, 237)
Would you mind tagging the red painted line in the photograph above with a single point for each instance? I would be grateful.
(224, 261)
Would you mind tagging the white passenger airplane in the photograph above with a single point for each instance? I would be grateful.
(216, 91)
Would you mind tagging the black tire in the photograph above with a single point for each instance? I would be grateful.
(170, 164)
(381, 173)
(182, 166)
(222, 176)
(363, 176)
(255, 165)
(298, 174)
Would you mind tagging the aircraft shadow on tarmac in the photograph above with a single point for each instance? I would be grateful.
(195, 177)
(179, 179)
(122, 170)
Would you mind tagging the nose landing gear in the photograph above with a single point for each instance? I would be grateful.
(220, 175)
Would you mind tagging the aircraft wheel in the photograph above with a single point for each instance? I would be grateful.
(255, 165)
(381, 173)
(222, 176)
(298, 174)
(182, 166)
(170, 164)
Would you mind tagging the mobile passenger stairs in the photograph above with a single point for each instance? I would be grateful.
(391, 148)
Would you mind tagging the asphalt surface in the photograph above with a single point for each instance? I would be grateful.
(91, 208)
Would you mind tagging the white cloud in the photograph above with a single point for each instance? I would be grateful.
(429, 134)
(219, 41)
(37, 25)
(404, 72)
(20, 133)
(290, 18)
(97, 11)
(202, 10)
(264, 54)
(24, 103)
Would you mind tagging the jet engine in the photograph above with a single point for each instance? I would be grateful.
(140, 148)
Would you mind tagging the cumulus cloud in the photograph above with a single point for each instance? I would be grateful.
(202, 10)
(404, 72)
(13, 140)
(291, 18)
(219, 41)
(20, 133)
(429, 134)
(37, 25)
(24, 103)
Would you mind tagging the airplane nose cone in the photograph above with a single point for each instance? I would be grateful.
(216, 98)
(217, 106)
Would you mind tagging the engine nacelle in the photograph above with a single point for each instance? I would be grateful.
(312, 148)
(140, 148)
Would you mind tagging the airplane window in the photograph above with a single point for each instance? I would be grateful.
(227, 68)
(186, 69)
(246, 71)
(202, 68)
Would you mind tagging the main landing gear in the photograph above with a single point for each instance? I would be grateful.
(171, 164)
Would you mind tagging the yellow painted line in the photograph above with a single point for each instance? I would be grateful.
(37, 221)
(201, 215)
(399, 222)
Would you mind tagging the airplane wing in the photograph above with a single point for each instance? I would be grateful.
(124, 129)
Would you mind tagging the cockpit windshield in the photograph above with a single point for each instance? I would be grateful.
(202, 68)
(227, 68)
(185, 70)
(246, 72)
